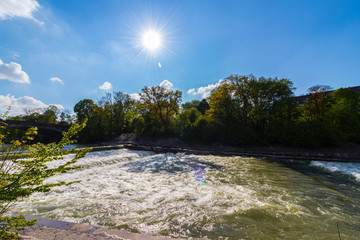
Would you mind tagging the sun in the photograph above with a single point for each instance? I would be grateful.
(151, 40)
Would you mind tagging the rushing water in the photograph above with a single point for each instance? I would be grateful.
(206, 197)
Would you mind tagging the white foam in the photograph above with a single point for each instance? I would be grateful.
(152, 192)
(351, 169)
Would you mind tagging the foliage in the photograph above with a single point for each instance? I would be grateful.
(189, 105)
(39, 115)
(343, 110)
(203, 106)
(84, 109)
(316, 104)
(161, 105)
(242, 110)
(113, 114)
(24, 168)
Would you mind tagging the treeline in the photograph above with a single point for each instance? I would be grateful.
(241, 111)
(51, 114)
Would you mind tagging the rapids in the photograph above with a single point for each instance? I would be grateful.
(205, 197)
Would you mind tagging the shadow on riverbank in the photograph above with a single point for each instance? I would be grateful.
(350, 152)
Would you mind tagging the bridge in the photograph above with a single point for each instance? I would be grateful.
(46, 126)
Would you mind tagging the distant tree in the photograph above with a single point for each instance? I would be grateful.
(124, 111)
(222, 106)
(29, 111)
(49, 115)
(259, 100)
(160, 104)
(119, 108)
(66, 117)
(32, 114)
(316, 105)
(241, 86)
(62, 117)
(84, 109)
(343, 112)
(203, 106)
(189, 105)
(15, 118)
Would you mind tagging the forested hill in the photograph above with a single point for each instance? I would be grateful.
(243, 110)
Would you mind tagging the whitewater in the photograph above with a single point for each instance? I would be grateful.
(205, 197)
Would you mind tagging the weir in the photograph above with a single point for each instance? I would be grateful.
(179, 195)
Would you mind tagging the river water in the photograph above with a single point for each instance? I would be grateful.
(207, 197)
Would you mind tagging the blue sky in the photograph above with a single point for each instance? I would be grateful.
(59, 52)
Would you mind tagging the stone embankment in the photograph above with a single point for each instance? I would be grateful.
(46, 229)
(347, 153)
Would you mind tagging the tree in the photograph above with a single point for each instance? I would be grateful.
(124, 111)
(49, 115)
(160, 103)
(222, 105)
(203, 106)
(22, 174)
(84, 109)
(343, 112)
(316, 105)
(65, 117)
(189, 105)
(241, 85)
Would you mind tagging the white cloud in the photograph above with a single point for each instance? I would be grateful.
(204, 91)
(19, 104)
(19, 8)
(13, 72)
(105, 86)
(135, 96)
(191, 91)
(159, 64)
(166, 84)
(56, 79)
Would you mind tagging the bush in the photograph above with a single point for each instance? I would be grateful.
(23, 170)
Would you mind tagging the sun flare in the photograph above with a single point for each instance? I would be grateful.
(151, 40)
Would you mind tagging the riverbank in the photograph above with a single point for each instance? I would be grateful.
(347, 153)
(185, 196)
(46, 229)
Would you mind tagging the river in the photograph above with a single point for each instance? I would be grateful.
(206, 197)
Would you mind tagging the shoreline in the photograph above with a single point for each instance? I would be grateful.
(350, 152)
(46, 228)
(282, 154)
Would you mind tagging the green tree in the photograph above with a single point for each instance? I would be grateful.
(124, 112)
(189, 105)
(161, 104)
(343, 112)
(49, 115)
(22, 174)
(185, 122)
(84, 109)
(316, 104)
(203, 106)
(222, 106)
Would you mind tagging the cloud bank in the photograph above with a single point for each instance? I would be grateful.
(105, 86)
(166, 84)
(13, 72)
(19, 8)
(204, 91)
(56, 79)
(19, 104)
